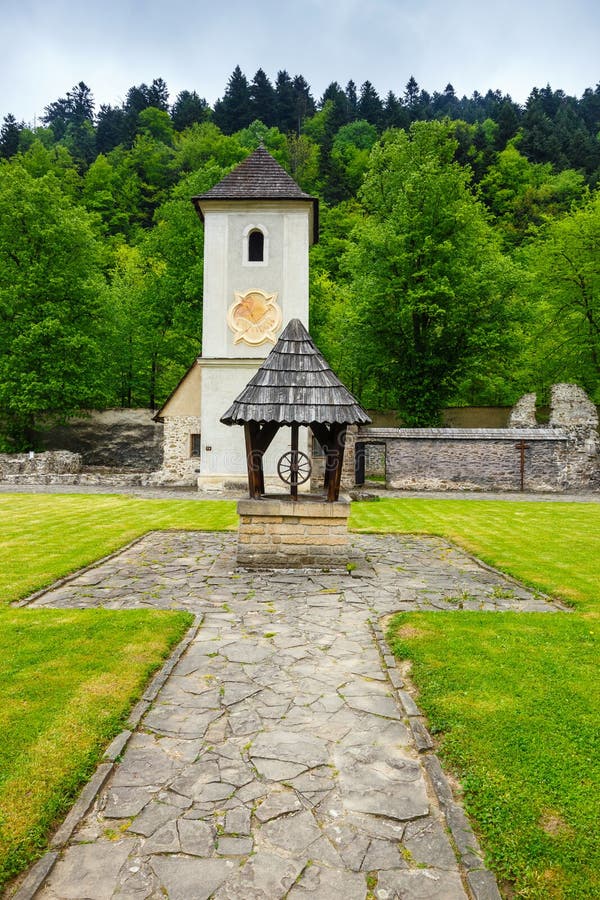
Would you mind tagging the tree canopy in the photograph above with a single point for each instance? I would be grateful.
(458, 260)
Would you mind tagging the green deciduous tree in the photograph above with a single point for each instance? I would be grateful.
(523, 195)
(564, 268)
(430, 284)
(51, 310)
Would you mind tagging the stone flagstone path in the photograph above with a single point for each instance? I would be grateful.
(281, 757)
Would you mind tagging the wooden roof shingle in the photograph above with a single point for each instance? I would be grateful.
(258, 177)
(295, 385)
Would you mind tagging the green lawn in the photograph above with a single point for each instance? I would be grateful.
(44, 536)
(69, 678)
(514, 699)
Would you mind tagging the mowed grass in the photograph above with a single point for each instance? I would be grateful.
(553, 546)
(69, 678)
(514, 699)
(46, 536)
(67, 681)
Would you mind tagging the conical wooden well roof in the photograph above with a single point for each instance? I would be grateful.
(295, 385)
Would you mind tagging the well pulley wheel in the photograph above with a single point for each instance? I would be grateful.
(294, 467)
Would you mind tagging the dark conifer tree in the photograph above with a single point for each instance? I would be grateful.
(411, 98)
(111, 128)
(285, 103)
(305, 104)
(539, 142)
(137, 99)
(352, 101)
(394, 114)
(263, 99)
(9, 136)
(370, 106)
(589, 107)
(158, 94)
(188, 109)
(74, 109)
(233, 111)
(508, 123)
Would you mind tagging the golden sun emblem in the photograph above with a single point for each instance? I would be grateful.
(254, 317)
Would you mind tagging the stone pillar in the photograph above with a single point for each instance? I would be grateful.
(348, 467)
(281, 533)
(522, 415)
(572, 410)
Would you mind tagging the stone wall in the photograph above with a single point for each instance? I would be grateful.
(178, 463)
(284, 533)
(119, 438)
(56, 462)
(473, 458)
(564, 456)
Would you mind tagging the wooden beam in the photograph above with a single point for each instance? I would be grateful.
(258, 438)
(253, 462)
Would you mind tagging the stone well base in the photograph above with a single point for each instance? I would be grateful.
(282, 533)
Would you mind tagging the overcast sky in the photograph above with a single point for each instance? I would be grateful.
(514, 45)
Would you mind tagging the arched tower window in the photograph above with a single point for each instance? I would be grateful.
(256, 246)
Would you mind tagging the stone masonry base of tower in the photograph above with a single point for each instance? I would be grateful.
(276, 533)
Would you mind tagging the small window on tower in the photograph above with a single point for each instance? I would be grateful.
(256, 246)
(195, 444)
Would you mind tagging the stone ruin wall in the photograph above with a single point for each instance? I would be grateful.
(563, 456)
(475, 459)
(115, 438)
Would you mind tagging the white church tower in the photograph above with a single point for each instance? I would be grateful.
(258, 227)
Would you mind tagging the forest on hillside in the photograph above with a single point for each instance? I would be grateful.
(458, 263)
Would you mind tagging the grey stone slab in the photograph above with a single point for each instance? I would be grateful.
(213, 791)
(483, 885)
(420, 884)
(234, 846)
(376, 780)
(247, 652)
(122, 803)
(163, 840)
(320, 883)
(428, 844)
(146, 766)
(278, 803)
(179, 721)
(239, 775)
(87, 870)
(196, 838)
(265, 876)
(153, 816)
(377, 706)
(184, 878)
(235, 691)
(383, 855)
(237, 821)
(289, 746)
(275, 770)
(292, 833)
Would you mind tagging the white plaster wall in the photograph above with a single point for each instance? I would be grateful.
(287, 225)
(222, 381)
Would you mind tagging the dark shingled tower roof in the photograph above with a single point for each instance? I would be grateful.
(295, 385)
(258, 177)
